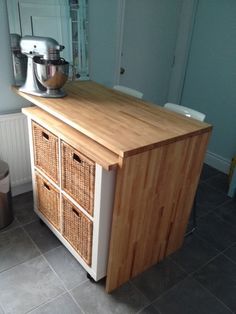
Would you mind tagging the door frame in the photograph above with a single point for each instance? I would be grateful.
(119, 43)
(183, 43)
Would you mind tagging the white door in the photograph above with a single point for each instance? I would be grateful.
(49, 18)
(149, 42)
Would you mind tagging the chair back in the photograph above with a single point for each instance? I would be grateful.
(128, 91)
(188, 112)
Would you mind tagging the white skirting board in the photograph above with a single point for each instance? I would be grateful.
(216, 161)
(22, 188)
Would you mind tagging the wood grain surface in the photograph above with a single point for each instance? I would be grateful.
(160, 154)
(123, 124)
(154, 197)
(98, 153)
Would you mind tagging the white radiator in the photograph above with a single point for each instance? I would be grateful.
(14, 149)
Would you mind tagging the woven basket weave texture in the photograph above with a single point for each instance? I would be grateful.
(48, 201)
(78, 230)
(78, 177)
(45, 151)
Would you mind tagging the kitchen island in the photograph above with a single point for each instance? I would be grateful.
(123, 174)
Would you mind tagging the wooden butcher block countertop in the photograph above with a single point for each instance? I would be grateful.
(123, 124)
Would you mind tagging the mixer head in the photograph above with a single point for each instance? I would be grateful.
(46, 47)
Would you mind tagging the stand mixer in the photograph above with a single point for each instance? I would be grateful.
(47, 72)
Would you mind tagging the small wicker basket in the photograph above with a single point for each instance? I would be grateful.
(48, 200)
(77, 230)
(78, 177)
(45, 151)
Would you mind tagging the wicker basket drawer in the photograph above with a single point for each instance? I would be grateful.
(48, 201)
(77, 230)
(45, 151)
(78, 176)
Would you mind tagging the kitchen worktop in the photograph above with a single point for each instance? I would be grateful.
(123, 124)
(148, 162)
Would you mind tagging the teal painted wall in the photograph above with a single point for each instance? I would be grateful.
(210, 84)
(102, 16)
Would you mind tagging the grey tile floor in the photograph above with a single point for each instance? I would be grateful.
(38, 275)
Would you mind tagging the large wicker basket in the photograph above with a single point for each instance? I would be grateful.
(48, 200)
(45, 151)
(77, 230)
(78, 177)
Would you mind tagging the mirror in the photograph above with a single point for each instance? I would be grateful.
(64, 20)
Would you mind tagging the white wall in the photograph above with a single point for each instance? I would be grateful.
(9, 101)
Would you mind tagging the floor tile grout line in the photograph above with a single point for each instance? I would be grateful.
(191, 277)
(222, 220)
(212, 294)
(164, 292)
(202, 266)
(140, 292)
(53, 249)
(35, 244)
(230, 259)
(24, 261)
(63, 284)
(32, 241)
(207, 242)
(143, 308)
(180, 266)
(52, 269)
(212, 211)
(9, 229)
(69, 290)
(70, 293)
(212, 186)
(205, 264)
(45, 303)
(81, 309)
(29, 222)
(185, 273)
(40, 255)
(80, 284)
(168, 290)
(229, 247)
(211, 259)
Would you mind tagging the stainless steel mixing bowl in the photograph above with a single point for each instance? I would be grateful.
(52, 75)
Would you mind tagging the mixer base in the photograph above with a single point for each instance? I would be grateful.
(45, 94)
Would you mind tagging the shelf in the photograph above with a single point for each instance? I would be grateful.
(101, 155)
